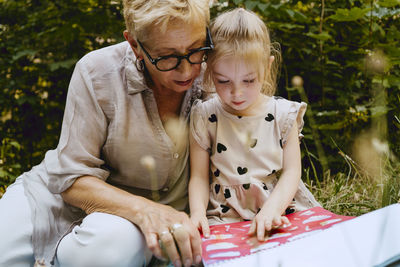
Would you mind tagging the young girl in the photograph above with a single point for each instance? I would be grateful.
(244, 139)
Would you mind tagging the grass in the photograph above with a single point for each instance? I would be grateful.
(358, 191)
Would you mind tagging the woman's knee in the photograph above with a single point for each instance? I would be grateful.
(15, 227)
(103, 240)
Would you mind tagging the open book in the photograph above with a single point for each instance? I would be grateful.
(230, 241)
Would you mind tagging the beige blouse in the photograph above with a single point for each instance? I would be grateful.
(110, 122)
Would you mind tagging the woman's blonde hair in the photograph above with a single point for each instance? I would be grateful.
(241, 34)
(141, 15)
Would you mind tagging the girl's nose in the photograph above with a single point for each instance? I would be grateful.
(236, 90)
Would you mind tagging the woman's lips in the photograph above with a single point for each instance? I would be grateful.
(183, 83)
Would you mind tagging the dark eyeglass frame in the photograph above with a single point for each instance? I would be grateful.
(209, 43)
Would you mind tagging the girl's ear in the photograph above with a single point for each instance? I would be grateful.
(134, 45)
(271, 60)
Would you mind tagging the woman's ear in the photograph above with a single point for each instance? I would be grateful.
(134, 45)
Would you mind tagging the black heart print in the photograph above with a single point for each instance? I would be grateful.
(269, 117)
(273, 171)
(241, 170)
(220, 147)
(216, 173)
(246, 186)
(253, 143)
(217, 187)
(224, 208)
(289, 211)
(239, 117)
(212, 118)
(265, 186)
(227, 193)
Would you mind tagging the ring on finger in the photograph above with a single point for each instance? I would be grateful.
(163, 233)
(175, 227)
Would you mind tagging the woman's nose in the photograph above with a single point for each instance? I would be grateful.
(184, 67)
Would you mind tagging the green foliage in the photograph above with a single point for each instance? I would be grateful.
(9, 165)
(346, 51)
(40, 41)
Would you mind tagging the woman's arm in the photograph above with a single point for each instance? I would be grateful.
(94, 195)
(284, 190)
(199, 193)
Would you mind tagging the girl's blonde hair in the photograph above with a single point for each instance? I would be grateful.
(141, 15)
(242, 34)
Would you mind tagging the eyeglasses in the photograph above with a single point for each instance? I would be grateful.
(167, 63)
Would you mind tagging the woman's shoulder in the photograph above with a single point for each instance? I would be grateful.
(105, 59)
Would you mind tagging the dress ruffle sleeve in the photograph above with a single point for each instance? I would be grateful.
(290, 111)
(84, 131)
(198, 125)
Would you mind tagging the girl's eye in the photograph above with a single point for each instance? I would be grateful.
(249, 81)
(222, 81)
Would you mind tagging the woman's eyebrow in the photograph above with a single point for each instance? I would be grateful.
(172, 49)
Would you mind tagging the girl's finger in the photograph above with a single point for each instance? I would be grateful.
(261, 230)
(252, 228)
(277, 221)
(268, 225)
(205, 228)
(285, 220)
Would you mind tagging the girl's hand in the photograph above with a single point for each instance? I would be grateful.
(201, 222)
(171, 232)
(265, 221)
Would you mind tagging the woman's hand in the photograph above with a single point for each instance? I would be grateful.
(170, 233)
(155, 220)
(266, 220)
(200, 221)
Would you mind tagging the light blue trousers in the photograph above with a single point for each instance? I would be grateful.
(101, 240)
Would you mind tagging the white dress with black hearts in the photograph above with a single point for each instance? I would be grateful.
(246, 156)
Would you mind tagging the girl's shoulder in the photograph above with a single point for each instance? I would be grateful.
(282, 105)
(207, 105)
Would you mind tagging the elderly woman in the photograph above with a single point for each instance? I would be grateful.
(114, 190)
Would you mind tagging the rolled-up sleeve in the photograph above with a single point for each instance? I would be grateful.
(84, 131)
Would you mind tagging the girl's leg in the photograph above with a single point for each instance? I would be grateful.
(15, 228)
(103, 240)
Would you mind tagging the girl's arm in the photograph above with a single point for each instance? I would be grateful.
(284, 191)
(199, 185)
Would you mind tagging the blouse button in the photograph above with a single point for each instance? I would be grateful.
(165, 189)
(176, 155)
